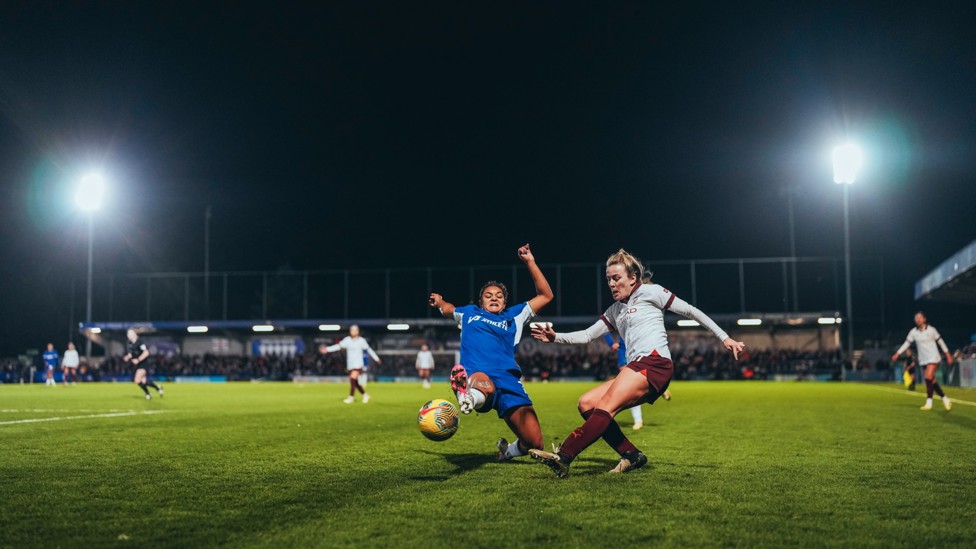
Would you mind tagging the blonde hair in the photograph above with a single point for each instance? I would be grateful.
(632, 265)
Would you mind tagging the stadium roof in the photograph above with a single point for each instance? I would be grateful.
(952, 280)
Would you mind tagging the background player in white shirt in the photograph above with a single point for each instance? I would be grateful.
(355, 362)
(927, 341)
(69, 364)
(425, 363)
(638, 315)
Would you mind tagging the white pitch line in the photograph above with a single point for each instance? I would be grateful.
(922, 394)
(50, 410)
(119, 414)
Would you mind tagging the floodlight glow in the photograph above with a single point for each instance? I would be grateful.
(95, 330)
(826, 320)
(847, 161)
(91, 191)
(688, 323)
(838, 319)
(262, 328)
(397, 327)
(197, 329)
(329, 327)
(749, 321)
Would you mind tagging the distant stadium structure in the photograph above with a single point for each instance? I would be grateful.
(766, 301)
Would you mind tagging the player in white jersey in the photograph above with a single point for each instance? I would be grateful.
(425, 363)
(70, 365)
(355, 347)
(927, 342)
(638, 315)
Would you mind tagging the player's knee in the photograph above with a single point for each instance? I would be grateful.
(587, 402)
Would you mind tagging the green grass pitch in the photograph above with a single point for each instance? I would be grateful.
(289, 465)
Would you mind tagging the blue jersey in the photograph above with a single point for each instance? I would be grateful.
(50, 359)
(621, 350)
(489, 341)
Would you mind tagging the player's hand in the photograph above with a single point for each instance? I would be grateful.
(735, 346)
(894, 357)
(436, 300)
(323, 349)
(525, 254)
(135, 361)
(378, 361)
(615, 346)
(948, 359)
(545, 333)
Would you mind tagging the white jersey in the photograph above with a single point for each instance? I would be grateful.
(926, 341)
(354, 347)
(640, 322)
(70, 359)
(425, 360)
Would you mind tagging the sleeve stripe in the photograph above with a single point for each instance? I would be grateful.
(607, 322)
(668, 304)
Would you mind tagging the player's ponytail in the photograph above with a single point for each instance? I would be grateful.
(631, 264)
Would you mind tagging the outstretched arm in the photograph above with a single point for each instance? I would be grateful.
(688, 310)
(581, 337)
(437, 302)
(542, 290)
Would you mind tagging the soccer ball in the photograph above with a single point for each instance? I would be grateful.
(481, 382)
(438, 420)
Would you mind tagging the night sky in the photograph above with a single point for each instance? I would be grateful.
(361, 134)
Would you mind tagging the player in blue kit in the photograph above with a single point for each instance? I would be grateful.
(490, 334)
(50, 358)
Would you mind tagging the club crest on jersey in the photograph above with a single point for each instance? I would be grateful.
(632, 310)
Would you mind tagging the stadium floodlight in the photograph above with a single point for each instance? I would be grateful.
(685, 323)
(262, 328)
(749, 321)
(90, 192)
(847, 161)
(197, 329)
(826, 320)
(329, 327)
(839, 320)
(88, 197)
(397, 327)
(95, 330)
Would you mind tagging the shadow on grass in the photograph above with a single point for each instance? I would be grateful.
(461, 463)
(960, 420)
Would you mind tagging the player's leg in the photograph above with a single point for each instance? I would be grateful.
(627, 390)
(524, 423)
(635, 412)
(613, 435)
(140, 379)
(930, 371)
(154, 385)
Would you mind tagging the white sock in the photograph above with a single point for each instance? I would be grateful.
(513, 450)
(478, 396)
(638, 416)
(928, 402)
(945, 398)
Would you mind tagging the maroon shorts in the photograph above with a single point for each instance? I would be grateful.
(658, 371)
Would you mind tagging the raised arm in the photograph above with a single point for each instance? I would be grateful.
(437, 302)
(542, 290)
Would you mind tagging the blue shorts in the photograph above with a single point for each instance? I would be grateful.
(509, 392)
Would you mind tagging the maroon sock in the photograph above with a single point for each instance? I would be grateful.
(584, 435)
(353, 385)
(937, 389)
(614, 436)
(928, 388)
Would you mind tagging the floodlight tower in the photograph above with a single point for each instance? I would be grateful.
(847, 161)
(88, 197)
